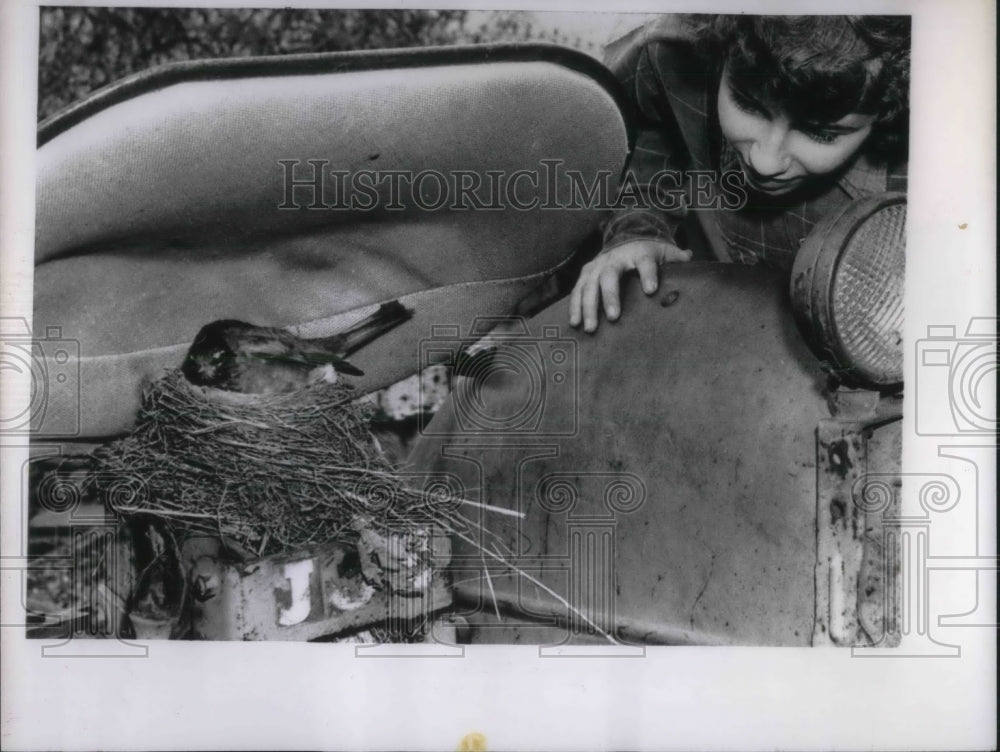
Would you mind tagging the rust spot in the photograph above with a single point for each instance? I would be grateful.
(837, 511)
(839, 457)
(349, 566)
(283, 597)
(671, 297)
(963, 225)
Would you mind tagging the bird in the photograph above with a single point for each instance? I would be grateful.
(239, 357)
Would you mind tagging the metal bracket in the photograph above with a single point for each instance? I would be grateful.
(856, 562)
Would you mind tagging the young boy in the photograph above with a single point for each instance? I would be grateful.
(768, 122)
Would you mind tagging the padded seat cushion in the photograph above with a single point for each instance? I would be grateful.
(160, 212)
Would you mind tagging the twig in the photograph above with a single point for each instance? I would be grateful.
(543, 586)
(493, 593)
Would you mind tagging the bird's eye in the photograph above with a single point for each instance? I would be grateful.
(206, 366)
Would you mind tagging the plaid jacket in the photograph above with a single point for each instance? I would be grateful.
(672, 93)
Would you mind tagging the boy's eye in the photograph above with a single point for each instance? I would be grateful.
(747, 103)
(822, 136)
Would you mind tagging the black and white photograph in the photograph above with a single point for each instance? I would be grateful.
(567, 361)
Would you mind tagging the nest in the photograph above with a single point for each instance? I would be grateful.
(278, 473)
(271, 473)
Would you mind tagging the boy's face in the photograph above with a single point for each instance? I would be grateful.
(779, 156)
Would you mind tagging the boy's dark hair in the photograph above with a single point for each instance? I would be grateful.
(819, 68)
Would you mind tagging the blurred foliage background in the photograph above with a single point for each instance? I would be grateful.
(82, 49)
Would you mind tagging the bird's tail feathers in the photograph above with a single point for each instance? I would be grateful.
(387, 317)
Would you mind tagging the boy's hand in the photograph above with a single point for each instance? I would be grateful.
(599, 278)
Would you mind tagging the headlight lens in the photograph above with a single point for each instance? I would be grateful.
(847, 291)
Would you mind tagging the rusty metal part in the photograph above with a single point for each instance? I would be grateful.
(857, 572)
(307, 595)
(205, 576)
(861, 403)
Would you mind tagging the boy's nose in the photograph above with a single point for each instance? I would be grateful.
(768, 156)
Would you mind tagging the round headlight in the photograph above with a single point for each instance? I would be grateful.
(847, 291)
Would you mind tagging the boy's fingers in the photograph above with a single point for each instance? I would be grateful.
(589, 303)
(648, 274)
(601, 279)
(609, 292)
(574, 304)
(672, 254)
